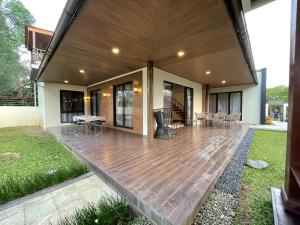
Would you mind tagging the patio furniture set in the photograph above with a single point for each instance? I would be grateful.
(167, 128)
(89, 123)
(217, 119)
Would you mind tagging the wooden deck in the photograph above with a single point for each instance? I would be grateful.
(167, 180)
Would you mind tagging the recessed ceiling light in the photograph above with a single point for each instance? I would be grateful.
(116, 51)
(180, 53)
(207, 72)
(223, 81)
(81, 71)
(66, 81)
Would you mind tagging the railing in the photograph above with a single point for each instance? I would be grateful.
(37, 56)
(16, 101)
(177, 103)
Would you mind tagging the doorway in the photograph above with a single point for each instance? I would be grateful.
(179, 99)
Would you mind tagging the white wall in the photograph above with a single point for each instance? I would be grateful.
(13, 116)
(159, 76)
(49, 101)
(251, 100)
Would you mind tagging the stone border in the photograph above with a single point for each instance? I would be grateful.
(44, 191)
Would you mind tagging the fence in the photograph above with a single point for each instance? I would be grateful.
(16, 101)
(12, 116)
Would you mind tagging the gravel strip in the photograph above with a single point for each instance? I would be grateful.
(219, 208)
(229, 182)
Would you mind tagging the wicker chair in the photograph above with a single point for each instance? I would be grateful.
(200, 117)
(164, 128)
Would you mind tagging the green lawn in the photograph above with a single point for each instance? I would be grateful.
(255, 197)
(30, 160)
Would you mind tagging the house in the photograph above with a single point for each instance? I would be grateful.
(92, 60)
(122, 60)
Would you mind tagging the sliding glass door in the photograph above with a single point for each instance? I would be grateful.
(71, 104)
(226, 102)
(95, 102)
(123, 99)
(235, 99)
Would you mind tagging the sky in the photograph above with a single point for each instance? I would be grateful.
(268, 27)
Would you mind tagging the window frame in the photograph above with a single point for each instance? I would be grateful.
(98, 110)
(61, 103)
(228, 107)
(114, 103)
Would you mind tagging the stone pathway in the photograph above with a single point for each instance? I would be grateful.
(278, 126)
(47, 206)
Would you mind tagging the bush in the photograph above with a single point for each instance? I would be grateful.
(12, 188)
(269, 121)
(108, 211)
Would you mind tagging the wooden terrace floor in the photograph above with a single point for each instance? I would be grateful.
(167, 180)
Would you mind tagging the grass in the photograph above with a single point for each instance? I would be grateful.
(30, 160)
(255, 196)
(108, 211)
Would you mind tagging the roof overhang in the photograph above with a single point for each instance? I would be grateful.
(249, 5)
(212, 33)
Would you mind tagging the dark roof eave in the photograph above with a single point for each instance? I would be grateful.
(69, 13)
(235, 11)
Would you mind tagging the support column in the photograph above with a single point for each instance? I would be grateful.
(206, 97)
(291, 190)
(150, 125)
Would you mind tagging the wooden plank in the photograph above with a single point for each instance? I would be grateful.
(168, 180)
(291, 191)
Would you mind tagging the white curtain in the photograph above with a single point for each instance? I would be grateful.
(212, 103)
(235, 102)
(223, 102)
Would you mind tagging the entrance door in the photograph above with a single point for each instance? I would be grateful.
(188, 105)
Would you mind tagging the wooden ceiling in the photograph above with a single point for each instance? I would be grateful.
(150, 30)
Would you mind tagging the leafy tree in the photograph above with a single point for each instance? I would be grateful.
(277, 94)
(13, 19)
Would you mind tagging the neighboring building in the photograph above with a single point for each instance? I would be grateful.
(100, 68)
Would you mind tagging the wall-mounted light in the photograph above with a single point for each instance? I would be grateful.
(137, 90)
(180, 53)
(86, 98)
(106, 94)
(65, 81)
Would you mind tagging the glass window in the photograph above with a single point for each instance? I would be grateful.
(71, 104)
(123, 95)
(95, 102)
(212, 103)
(227, 102)
(223, 102)
(235, 100)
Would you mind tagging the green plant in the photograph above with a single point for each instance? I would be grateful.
(269, 121)
(109, 210)
(255, 203)
(30, 160)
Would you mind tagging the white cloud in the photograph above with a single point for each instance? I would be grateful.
(46, 12)
(269, 31)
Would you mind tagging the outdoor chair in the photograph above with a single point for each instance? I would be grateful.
(164, 128)
(200, 117)
(209, 119)
(97, 126)
(218, 119)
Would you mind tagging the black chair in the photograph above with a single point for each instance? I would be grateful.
(164, 128)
